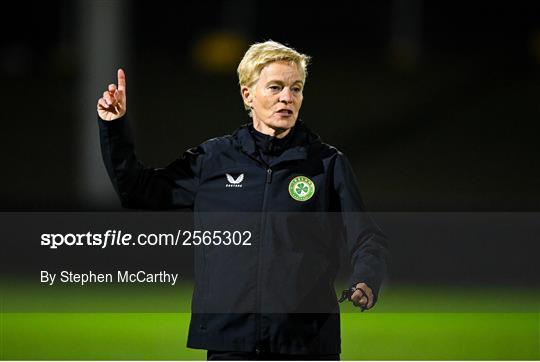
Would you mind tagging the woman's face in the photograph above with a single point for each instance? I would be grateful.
(275, 99)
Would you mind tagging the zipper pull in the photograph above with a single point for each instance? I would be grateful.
(268, 175)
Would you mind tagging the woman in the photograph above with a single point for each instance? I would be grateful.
(274, 300)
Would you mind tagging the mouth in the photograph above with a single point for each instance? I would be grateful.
(285, 112)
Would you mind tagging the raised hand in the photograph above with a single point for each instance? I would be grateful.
(113, 103)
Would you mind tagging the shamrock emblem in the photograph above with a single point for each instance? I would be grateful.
(301, 188)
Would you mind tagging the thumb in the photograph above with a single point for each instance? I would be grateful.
(121, 80)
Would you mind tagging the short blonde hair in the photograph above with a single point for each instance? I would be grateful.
(260, 54)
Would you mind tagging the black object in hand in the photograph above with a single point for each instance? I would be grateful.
(347, 293)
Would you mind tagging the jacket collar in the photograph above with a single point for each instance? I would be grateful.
(302, 139)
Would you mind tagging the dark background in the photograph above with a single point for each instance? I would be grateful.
(435, 103)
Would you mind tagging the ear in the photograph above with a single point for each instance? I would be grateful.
(247, 96)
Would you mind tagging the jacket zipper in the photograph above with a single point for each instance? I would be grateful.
(258, 318)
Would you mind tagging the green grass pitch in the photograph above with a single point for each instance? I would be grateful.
(408, 324)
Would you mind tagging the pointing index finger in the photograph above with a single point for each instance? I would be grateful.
(121, 80)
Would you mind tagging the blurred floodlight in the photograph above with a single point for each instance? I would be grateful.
(219, 52)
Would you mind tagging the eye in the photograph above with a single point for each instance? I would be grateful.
(274, 87)
(297, 89)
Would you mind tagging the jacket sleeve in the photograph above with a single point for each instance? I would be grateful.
(137, 186)
(367, 245)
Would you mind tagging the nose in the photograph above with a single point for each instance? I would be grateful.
(286, 95)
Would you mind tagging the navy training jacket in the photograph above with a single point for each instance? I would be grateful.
(276, 295)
